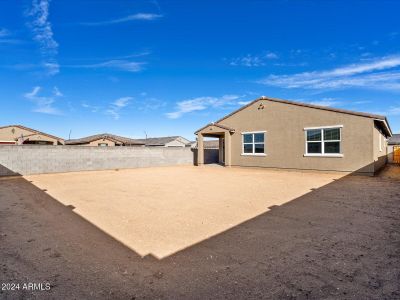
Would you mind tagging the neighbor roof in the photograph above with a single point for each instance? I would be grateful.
(395, 139)
(338, 110)
(34, 131)
(112, 137)
(158, 141)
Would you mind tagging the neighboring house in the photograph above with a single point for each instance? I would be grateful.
(167, 141)
(276, 133)
(104, 139)
(21, 135)
(394, 149)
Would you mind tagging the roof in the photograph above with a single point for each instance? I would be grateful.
(158, 141)
(395, 139)
(217, 125)
(210, 144)
(338, 110)
(112, 137)
(34, 131)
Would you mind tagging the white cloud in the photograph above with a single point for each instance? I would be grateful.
(122, 65)
(4, 32)
(326, 102)
(57, 92)
(44, 104)
(117, 105)
(243, 102)
(43, 34)
(369, 74)
(134, 17)
(253, 60)
(201, 103)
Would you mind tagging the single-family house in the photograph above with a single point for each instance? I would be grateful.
(21, 135)
(394, 149)
(275, 133)
(167, 141)
(104, 139)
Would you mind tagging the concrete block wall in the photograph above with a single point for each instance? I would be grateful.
(35, 159)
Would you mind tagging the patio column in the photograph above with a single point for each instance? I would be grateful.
(227, 137)
(200, 150)
(221, 150)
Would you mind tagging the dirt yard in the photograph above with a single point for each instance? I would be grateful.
(201, 233)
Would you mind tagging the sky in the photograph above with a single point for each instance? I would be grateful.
(157, 68)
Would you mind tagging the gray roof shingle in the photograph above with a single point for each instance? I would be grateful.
(112, 137)
(395, 139)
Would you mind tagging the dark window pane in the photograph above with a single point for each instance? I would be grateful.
(259, 138)
(314, 135)
(259, 148)
(313, 147)
(248, 148)
(247, 138)
(332, 147)
(332, 134)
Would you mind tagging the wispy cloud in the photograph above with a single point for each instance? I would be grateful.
(129, 18)
(253, 60)
(6, 37)
(43, 34)
(116, 64)
(4, 32)
(44, 104)
(90, 107)
(372, 74)
(201, 103)
(326, 102)
(116, 106)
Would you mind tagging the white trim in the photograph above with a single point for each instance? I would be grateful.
(323, 155)
(253, 143)
(323, 127)
(323, 141)
(250, 132)
(8, 141)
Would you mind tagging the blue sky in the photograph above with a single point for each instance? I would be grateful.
(170, 67)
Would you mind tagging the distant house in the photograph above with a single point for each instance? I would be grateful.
(394, 149)
(21, 135)
(167, 141)
(104, 139)
(275, 133)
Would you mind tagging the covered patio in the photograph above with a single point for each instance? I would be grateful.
(223, 133)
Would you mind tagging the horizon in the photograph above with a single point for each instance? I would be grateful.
(167, 68)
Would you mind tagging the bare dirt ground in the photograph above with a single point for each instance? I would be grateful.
(201, 233)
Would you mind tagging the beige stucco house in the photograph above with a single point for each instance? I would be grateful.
(104, 139)
(165, 141)
(276, 133)
(21, 135)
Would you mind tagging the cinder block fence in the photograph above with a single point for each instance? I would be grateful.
(35, 159)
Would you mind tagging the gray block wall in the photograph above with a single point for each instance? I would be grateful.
(35, 159)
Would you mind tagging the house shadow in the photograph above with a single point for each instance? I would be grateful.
(337, 241)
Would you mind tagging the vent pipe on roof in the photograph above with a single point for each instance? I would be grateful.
(263, 97)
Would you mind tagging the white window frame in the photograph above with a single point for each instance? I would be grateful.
(323, 154)
(254, 143)
(380, 142)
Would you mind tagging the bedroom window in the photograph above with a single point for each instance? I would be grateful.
(253, 143)
(323, 141)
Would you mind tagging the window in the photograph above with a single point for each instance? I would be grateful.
(103, 145)
(322, 141)
(253, 143)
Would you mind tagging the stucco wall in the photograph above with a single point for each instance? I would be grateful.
(380, 149)
(285, 138)
(53, 159)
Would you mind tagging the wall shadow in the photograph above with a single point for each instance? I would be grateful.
(337, 241)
